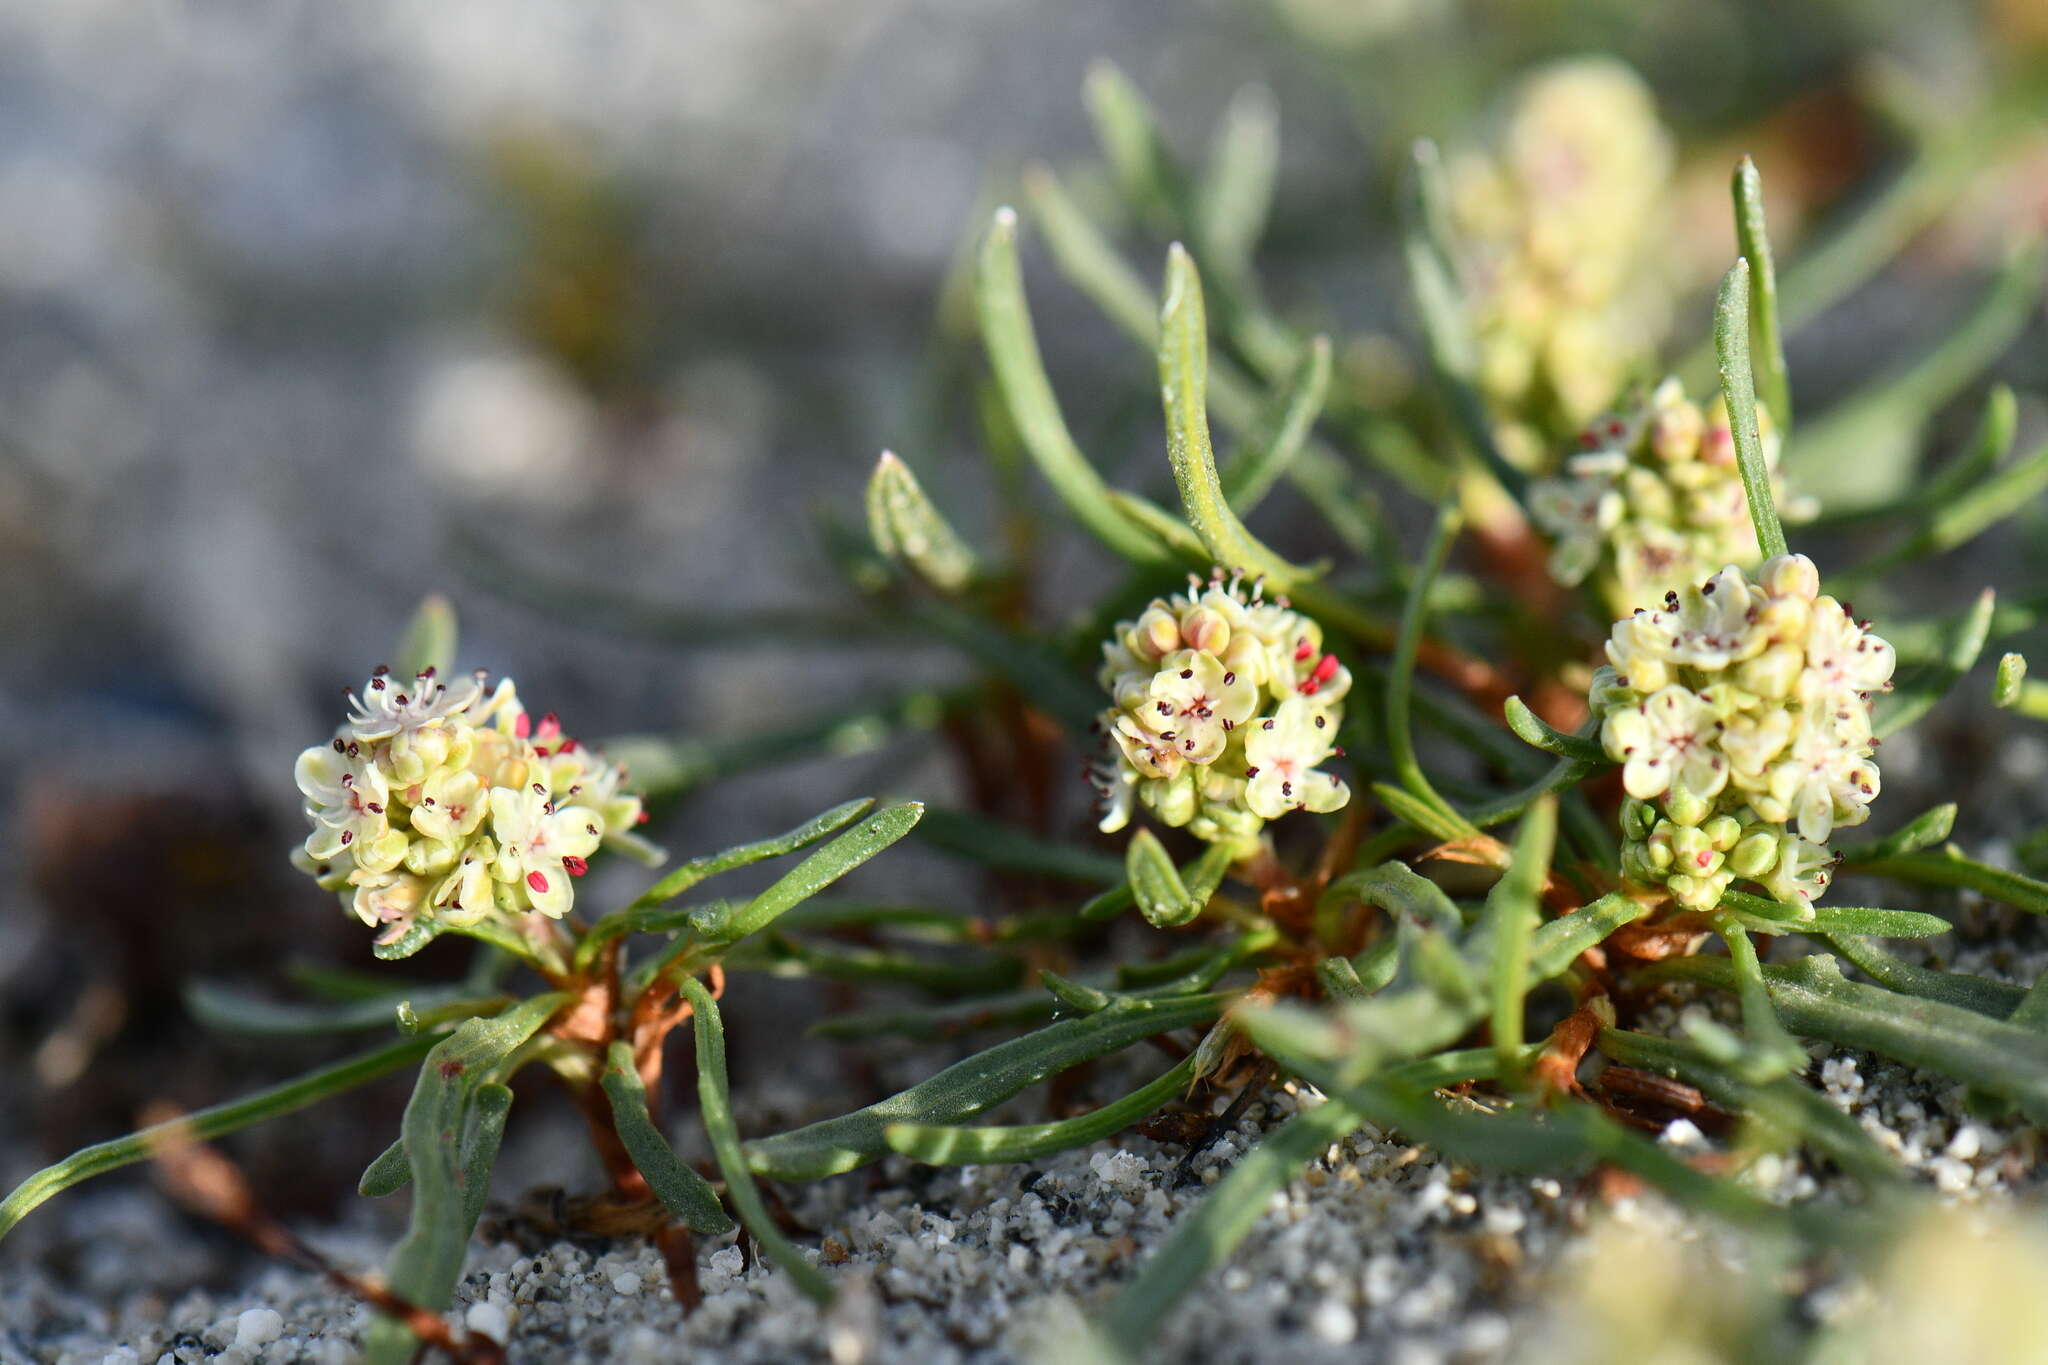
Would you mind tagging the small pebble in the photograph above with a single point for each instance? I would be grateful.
(258, 1327)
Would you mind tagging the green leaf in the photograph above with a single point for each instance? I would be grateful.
(1130, 140)
(1994, 999)
(938, 1145)
(1413, 810)
(1201, 1240)
(929, 1022)
(682, 1191)
(1013, 354)
(417, 936)
(449, 1138)
(969, 1087)
(714, 1099)
(1731, 345)
(1155, 883)
(429, 639)
(229, 1010)
(1915, 690)
(1340, 979)
(1531, 729)
(1400, 891)
(877, 831)
(907, 527)
(1773, 1051)
(775, 954)
(2007, 685)
(1928, 828)
(1813, 998)
(1261, 461)
(1513, 908)
(1401, 672)
(1787, 1104)
(1875, 923)
(206, 1124)
(1863, 451)
(1557, 943)
(1236, 190)
(1947, 866)
(387, 1174)
(1184, 389)
(1773, 386)
(1010, 849)
(689, 874)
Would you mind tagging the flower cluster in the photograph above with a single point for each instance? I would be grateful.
(1740, 713)
(1652, 500)
(445, 803)
(1224, 705)
(1559, 226)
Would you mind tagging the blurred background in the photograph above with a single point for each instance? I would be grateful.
(307, 310)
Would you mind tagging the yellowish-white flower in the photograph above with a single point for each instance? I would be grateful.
(1740, 712)
(1222, 705)
(443, 804)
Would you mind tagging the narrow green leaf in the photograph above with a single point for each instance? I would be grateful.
(776, 954)
(1915, 690)
(1513, 908)
(482, 1135)
(714, 1099)
(207, 1124)
(1400, 891)
(1863, 451)
(1088, 259)
(682, 1191)
(1401, 672)
(388, 1173)
(1557, 943)
(1075, 996)
(908, 527)
(1947, 866)
(1786, 1103)
(1731, 345)
(429, 639)
(930, 1022)
(1773, 386)
(1981, 995)
(876, 832)
(1813, 998)
(687, 875)
(969, 1087)
(1261, 461)
(1773, 1050)
(1184, 390)
(1201, 1240)
(2008, 683)
(1924, 830)
(1236, 191)
(418, 936)
(1155, 882)
(225, 1008)
(936, 1145)
(1012, 347)
(1131, 142)
(446, 1127)
(1340, 979)
(1875, 923)
(1531, 729)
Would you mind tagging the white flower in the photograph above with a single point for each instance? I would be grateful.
(1666, 739)
(1844, 657)
(540, 846)
(347, 800)
(1194, 702)
(386, 707)
(1281, 754)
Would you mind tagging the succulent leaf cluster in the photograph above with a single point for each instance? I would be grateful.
(1740, 712)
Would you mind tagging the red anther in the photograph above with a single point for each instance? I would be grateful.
(568, 746)
(537, 881)
(523, 726)
(1308, 687)
(642, 818)
(1326, 668)
(577, 867)
(1303, 650)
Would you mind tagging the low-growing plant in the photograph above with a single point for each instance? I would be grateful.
(1358, 852)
